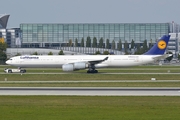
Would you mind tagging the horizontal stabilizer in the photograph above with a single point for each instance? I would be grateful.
(162, 57)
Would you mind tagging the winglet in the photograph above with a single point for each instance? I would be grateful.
(105, 59)
(160, 47)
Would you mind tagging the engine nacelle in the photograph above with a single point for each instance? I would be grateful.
(68, 67)
(79, 65)
(74, 66)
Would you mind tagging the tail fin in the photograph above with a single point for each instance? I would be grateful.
(160, 47)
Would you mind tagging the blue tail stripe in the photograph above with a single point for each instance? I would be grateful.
(160, 47)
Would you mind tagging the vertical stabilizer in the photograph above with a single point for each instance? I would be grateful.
(160, 47)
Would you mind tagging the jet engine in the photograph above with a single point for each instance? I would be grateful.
(74, 66)
(68, 67)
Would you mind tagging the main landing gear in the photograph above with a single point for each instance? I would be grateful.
(92, 69)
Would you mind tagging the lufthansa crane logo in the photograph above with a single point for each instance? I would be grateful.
(161, 44)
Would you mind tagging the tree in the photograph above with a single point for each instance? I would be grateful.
(94, 42)
(76, 42)
(88, 42)
(101, 43)
(132, 44)
(145, 47)
(98, 52)
(139, 50)
(132, 47)
(106, 53)
(50, 53)
(126, 47)
(61, 52)
(18, 54)
(35, 53)
(82, 42)
(151, 44)
(178, 56)
(138, 47)
(3, 56)
(120, 45)
(3, 46)
(70, 43)
(113, 45)
(107, 43)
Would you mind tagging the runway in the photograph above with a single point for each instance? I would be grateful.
(92, 91)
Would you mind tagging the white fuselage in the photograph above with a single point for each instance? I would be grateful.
(56, 61)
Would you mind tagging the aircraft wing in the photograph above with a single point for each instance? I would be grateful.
(97, 61)
(162, 56)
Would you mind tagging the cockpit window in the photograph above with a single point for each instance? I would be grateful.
(10, 59)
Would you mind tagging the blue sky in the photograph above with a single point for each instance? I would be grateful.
(90, 11)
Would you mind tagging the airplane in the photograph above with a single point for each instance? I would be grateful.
(91, 62)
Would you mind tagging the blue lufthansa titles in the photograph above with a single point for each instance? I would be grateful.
(27, 57)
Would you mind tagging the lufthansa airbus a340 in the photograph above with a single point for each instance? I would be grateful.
(91, 62)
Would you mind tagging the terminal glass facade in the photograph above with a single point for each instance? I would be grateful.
(41, 35)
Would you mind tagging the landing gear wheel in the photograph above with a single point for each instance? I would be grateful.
(92, 71)
(95, 71)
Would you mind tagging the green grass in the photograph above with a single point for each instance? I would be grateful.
(89, 84)
(89, 108)
(120, 70)
(82, 77)
(136, 69)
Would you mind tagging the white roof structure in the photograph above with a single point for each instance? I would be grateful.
(3, 21)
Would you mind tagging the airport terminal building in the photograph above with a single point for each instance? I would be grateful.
(45, 35)
(59, 35)
(50, 35)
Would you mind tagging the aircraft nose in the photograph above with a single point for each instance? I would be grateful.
(7, 62)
